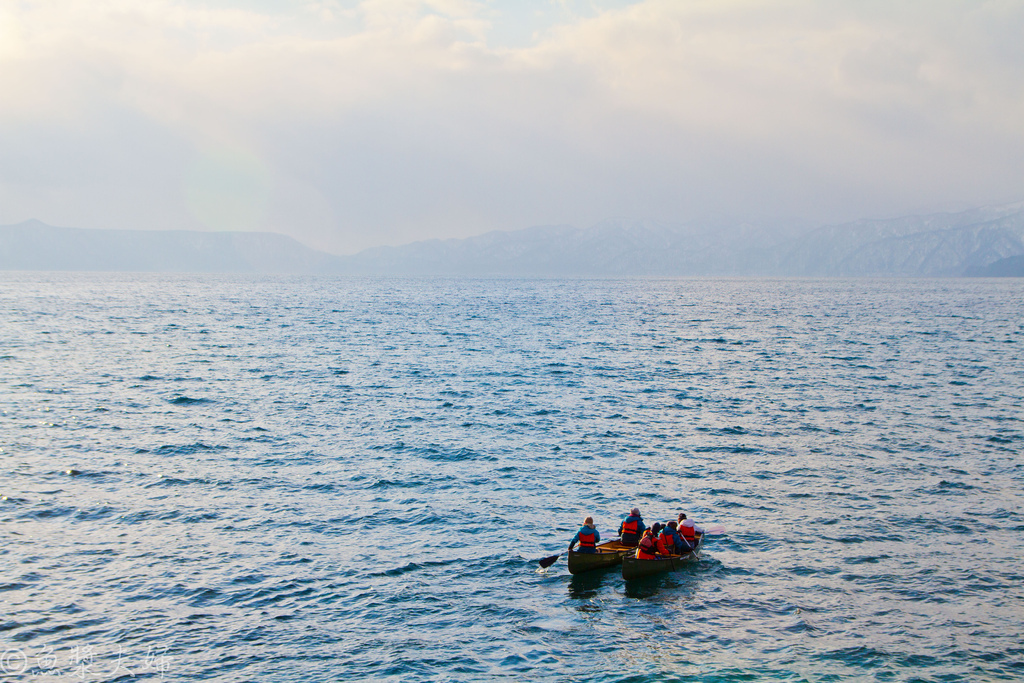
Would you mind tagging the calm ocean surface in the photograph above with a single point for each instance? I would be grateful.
(323, 479)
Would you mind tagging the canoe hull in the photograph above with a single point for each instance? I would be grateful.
(608, 555)
(633, 568)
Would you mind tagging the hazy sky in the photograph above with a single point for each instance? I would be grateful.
(353, 124)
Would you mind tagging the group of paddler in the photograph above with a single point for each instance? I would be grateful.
(660, 540)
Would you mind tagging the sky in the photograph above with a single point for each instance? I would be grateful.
(352, 124)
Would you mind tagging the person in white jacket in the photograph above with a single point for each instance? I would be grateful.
(690, 532)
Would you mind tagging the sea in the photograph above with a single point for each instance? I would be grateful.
(303, 479)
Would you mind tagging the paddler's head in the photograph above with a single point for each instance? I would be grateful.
(589, 521)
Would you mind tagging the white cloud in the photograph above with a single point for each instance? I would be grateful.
(400, 120)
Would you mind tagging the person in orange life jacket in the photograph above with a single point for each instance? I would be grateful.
(632, 528)
(587, 537)
(690, 532)
(665, 542)
(647, 548)
(672, 540)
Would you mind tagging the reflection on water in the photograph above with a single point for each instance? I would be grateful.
(684, 582)
(586, 585)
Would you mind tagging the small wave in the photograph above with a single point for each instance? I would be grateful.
(326, 488)
(188, 401)
(456, 394)
(248, 579)
(201, 596)
(148, 515)
(416, 566)
(460, 455)
(174, 481)
(847, 540)
(11, 587)
(954, 485)
(739, 450)
(203, 517)
(814, 571)
(394, 484)
(396, 447)
(273, 595)
(87, 474)
(53, 512)
(186, 449)
(96, 513)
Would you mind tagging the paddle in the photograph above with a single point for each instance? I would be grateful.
(548, 561)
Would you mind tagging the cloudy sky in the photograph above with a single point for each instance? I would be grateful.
(352, 124)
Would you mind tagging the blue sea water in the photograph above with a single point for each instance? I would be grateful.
(227, 478)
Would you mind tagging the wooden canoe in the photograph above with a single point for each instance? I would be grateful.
(633, 568)
(608, 554)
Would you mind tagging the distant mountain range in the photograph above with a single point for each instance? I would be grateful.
(981, 242)
(33, 245)
(971, 243)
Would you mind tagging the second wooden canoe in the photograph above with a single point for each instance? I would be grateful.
(633, 568)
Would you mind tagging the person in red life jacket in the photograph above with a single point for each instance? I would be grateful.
(632, 528)
(690, 532)
(587, 537)
(667, 540)
(647, 548)
(674, 540)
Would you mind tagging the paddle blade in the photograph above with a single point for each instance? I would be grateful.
(716, 530)
(548, 561)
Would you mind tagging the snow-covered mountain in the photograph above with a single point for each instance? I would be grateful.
(934, 245)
